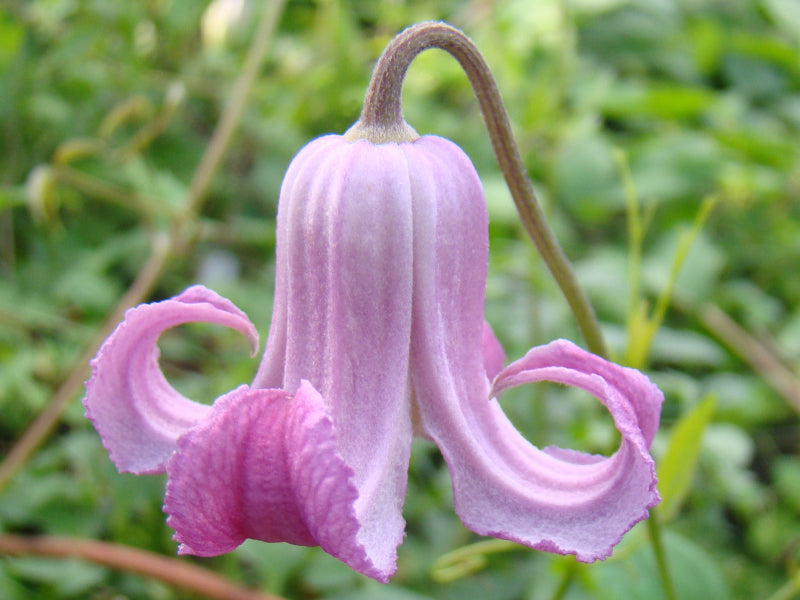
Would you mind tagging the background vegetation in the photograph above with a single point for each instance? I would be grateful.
(654, 131)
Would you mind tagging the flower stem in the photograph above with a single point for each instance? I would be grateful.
(382, 121)
(171, 571)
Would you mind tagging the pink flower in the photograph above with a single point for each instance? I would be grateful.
(377, 335)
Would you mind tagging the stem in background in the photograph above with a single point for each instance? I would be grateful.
(382, 121)
(44, 423)
(92, 186)
(789, 590)
(162, 249)
(7, 241)
(171, 571)
(754, 353)
(657, 542)
(567, 577)
(232, 113)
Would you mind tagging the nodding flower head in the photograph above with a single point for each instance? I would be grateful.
(377, 335)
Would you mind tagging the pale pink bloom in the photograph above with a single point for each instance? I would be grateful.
(377, 335)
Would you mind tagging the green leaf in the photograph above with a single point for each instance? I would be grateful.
(68, 577)
(695, 573)
(10, 588)
(374, 591)
(686, 348)
(12, 36)
(786, 475)
(678, 464)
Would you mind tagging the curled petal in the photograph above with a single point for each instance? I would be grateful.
(633, 389)
(137, 413)
(555, 500)
(265, 465)
(563, 500)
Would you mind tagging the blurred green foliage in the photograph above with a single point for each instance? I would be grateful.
(107, 107)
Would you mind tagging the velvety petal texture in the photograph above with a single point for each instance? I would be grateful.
(239, 474)
(493, 354)
(377, 333)
(342, 314)
(571, 502)
(503, 485)
(137, 413)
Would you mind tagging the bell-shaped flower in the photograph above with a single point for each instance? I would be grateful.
(377, 335)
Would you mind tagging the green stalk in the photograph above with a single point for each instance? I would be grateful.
(654, 529)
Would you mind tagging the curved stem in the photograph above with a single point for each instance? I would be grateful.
(382, 121)
(788, 590)
(171, 571)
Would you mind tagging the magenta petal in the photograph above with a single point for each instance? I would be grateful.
(137, 413)
(342, 314)
(634, 389)
(265, 465)
(556, 500)
(594, 500)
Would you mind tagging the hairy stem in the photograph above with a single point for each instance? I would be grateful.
(382, 121)
(171, 571)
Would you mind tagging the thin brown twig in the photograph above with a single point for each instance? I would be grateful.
(44, 423)
(754, 353)
(93, 186)
(221, 137)
(171, 571)
(163, 248)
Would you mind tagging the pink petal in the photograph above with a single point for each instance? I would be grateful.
(604, 497)
(556, 500)
(264, 465)
(493, 354)
(642, 397)
(342, 315)
(137, 413)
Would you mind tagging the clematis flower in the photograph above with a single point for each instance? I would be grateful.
(377, 335)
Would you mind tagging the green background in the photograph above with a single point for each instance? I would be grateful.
(631, 116)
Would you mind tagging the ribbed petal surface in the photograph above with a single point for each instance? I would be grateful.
(138, 415)
(264, 465)
(555, 500)
(378, 315)
(342, 314)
